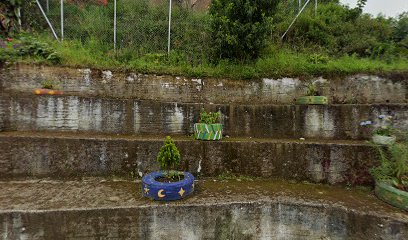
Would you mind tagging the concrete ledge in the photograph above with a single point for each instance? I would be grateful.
(58, 155)
(218, 210)
(73, 113)
(86, 82)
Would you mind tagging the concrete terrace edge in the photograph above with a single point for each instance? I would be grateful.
(335, 162)
(255, 219)
(129, 116)
(360, 88)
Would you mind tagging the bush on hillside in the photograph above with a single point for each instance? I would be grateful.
(239, 28)
(339, 30)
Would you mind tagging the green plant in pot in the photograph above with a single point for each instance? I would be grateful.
(384, 132)
(168, 184)
(48, 87)
(381, 130)
(391, 176)
(312, 96)
(208, 127)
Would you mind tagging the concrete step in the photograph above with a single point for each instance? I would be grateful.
(127, 116)
(360, 89)
(95, 208)
(27, 154)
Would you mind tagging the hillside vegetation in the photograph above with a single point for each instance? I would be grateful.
(234, 39)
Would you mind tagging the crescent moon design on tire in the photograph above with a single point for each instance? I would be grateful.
(163, 191)
(160, 193)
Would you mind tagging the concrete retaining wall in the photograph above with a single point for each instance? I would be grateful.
(86, 82)
(72, 113)
(334, 163)
(215, 221)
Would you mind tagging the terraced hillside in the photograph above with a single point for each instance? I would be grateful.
(73, 158)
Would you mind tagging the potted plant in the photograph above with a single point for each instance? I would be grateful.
(312, 96)
(208, 128)
(168, 184)
(391, 176)
(383, 132)
(48, 87)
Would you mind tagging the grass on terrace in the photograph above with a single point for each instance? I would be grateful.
(276, 62)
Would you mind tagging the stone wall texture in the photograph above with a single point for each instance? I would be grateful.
(240, 221)
(128, 116)
(54, 156)
(357, 89)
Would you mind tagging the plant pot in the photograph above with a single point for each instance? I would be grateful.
(167, 191)
(204, 131)
(43, 91)
(312, 100)
(391, 195)
(385, 140)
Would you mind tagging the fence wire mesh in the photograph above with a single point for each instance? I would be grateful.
(141, 25)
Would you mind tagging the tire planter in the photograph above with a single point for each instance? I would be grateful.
(312, 100)
(41, 91)
(204, 131)
(391, 195)
(167, 191)
(385, 140)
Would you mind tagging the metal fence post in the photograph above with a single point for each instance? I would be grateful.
(114, 24)
(294, 20)
(62, 20)
(168, 40)
(46, 19)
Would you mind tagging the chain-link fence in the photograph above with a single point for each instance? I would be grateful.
(140, 26)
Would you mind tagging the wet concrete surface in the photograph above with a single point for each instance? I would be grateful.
(97, 208)
(360, 88)
(96, 192)
(58, 154)
(27, 112)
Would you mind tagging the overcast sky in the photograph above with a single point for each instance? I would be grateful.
(390, 8)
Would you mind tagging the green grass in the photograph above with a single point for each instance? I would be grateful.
(276, 62)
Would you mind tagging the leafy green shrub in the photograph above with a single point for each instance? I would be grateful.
(9, 17)
(209, 118)
(318, 59)
(393, 165)
(239, 28)
(338, 30)
(26, 46)
(312, 89)
(31, 47)
(169, 156)
(47, 84)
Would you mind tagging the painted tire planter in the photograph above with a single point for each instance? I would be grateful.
(167, 191)
(204, 131)
(385, 140)
(312, 100)
(42, 91)
(389, 194)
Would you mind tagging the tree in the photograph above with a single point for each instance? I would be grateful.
(239, 27)
(169, 156)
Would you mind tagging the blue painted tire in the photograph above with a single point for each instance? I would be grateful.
(167, 191)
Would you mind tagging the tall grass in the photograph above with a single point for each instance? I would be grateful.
(345, 43)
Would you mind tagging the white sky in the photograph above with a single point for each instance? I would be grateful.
(390, 8)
